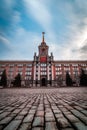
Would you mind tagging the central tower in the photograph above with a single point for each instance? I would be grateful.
(43, 70)
(43, 50)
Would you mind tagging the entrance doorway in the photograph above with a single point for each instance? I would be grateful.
(43, 82)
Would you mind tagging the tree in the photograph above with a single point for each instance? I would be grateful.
(68, 79)
(83, 78)
(17, 81)
(4, 79)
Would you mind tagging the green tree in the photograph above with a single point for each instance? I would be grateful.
(68, 79)
(83, 78)
(4, 79)
(17, 81)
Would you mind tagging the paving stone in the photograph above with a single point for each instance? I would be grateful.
(48, 110)
(56, 111)
(32, 111)
(13, 125)
(25, 126)
(67, 112)
(84, 119)
(64, 109)
(84, 111)
(49, 114)
(40, 108)
(59, 115)
(69, 107)
(51, 126)
(40, 113)
(63, 122)
(19, 117)
(2, 115)
(1, 111)
(23, 112)
(34, 107)
(12, 114)
(9, 109)
(16, 111)
(5, 120)
(55, 108)
(28, 118)
(78, 108)
(38, 128)
(80, 126)
(31, 106)
(72, 118)
(50, 118)
(77, 113)
(38, 121)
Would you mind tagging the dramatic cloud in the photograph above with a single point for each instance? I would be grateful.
(83, 50)
(65, 24)
(4, 40)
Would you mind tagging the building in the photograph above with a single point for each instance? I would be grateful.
(43, 70)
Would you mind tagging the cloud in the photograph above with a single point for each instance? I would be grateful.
(5, 47)
(40, 12)
(24, 45)
(65, 24)
(4, 40)
(9, 16)
(74, 33)
(83, 50)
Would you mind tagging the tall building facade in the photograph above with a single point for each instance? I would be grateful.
(43, 70)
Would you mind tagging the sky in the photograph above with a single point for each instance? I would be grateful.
(23, 21)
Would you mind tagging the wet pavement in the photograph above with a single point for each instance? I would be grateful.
(43, 109)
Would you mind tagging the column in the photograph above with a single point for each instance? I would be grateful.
(48, 74)
(52, 70)
(39, 73)
(34, 74)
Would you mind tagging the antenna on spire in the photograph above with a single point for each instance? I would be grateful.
(43, 36)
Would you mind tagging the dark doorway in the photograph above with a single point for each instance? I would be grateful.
(43, 82)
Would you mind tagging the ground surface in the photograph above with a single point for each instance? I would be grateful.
(43, 109)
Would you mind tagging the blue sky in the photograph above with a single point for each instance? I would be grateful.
(23, 21)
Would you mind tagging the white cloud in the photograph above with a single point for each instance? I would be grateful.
(4, 40)
(16, 18)
(41, 13)
(73, 37)
(25, 44)
(69, 44)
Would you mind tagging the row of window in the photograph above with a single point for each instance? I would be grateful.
(12, 65)
(74, 65)
(20, 65)
(74, 73)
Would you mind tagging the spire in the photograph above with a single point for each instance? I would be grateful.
(43, 36)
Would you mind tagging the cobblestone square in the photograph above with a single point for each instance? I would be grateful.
(43, 108)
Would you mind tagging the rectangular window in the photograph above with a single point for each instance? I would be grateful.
(11, 65)
(29, 65)
(19, 65)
